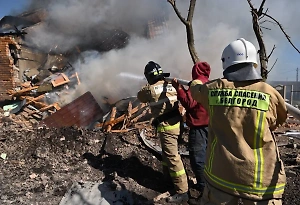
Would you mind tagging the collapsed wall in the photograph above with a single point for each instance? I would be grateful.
(9, 75)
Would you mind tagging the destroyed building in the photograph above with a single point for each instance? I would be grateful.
(39, 80)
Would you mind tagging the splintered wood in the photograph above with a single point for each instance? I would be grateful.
(128, 116)
(112, 117)
(36, 104)
(21, 92)
(54, 105)
(124, 122)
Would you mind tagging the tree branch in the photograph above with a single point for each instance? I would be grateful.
(281, 28)
(251, 5)
(265, 28)
(263, 15)
(189, 27)
(271, 52)
(173, 3)
(273, 65)
(264, 21)
(261, 8)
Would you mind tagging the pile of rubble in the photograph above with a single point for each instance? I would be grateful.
(35, 99)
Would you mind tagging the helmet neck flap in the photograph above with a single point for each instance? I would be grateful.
(239, 60)
(241, 72)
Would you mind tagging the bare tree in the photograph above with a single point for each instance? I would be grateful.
(257, 16)
(189, 27)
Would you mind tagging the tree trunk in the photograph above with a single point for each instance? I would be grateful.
(189, 27)
(191, 43)
(262, 49)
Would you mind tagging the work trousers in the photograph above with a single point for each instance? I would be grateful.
(213, 196)
(172, 160)
(197, 151)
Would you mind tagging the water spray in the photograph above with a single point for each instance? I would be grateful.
(131, 76)
(291, 109)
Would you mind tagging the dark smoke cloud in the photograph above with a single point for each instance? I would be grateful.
(70, 22)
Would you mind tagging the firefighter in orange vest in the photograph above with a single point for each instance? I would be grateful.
(162, 98)
(242, 161)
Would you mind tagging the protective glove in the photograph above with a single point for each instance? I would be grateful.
(155, 122)
(175, 83)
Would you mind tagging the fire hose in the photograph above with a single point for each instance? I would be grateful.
(291, 109)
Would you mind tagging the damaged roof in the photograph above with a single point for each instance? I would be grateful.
(12, 24)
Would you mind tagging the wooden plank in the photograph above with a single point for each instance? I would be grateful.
(56, 106)
(128, 116)
(21, 92)
(35, 99)
(44, 108)
(26, 84)
(134, 120)
(60, 80)
(77, 77)
(121, 118)
(112, 117)
(37, 104)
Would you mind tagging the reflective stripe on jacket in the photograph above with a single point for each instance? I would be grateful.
(162, 99)
(242, 157)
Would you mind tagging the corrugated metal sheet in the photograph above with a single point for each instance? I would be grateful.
(82, 112)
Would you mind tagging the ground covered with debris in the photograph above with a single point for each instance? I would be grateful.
(39, 165)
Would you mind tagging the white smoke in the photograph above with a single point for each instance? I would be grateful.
(216, 23)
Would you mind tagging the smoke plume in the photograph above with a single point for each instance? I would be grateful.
(216, 23)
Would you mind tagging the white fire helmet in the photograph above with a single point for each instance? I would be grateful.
(239, 51)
